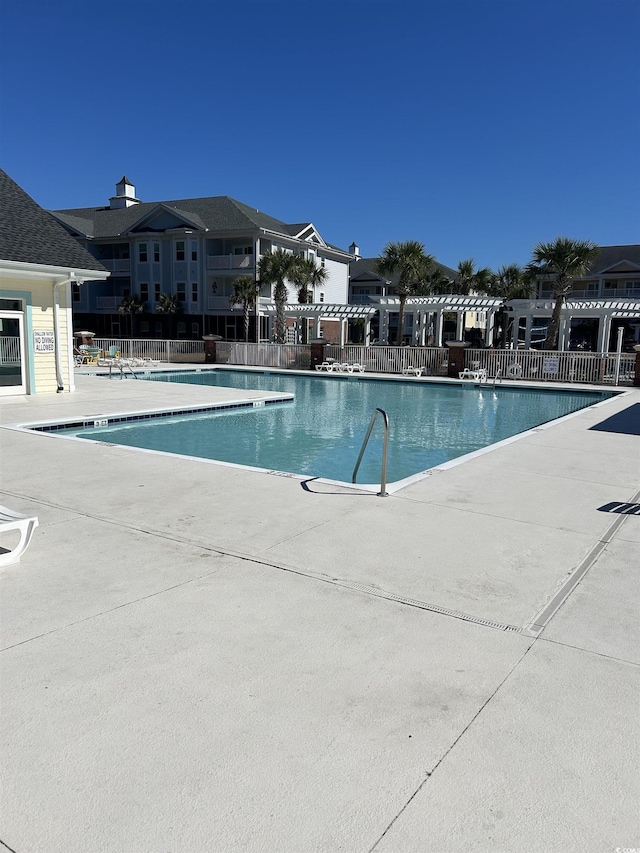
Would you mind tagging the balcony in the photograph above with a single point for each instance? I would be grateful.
(632, 292)
(230, 262)
(108, 303)
(218, 303)
(119, 265)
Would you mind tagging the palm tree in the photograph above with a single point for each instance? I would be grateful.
(274, 268)
(306, 276)
(472, 279)
(409, 260)
(245, 294)
(564, 260)
(169, 304)
(510, 282)
(131, 305)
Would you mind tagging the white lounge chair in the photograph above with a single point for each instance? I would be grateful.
(411, 371)
(11, 520)
(477, 375)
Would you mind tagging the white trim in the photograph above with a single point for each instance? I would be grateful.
(18, 269)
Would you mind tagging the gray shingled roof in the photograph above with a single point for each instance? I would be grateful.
(368, 265)
(609, 256)
(216, 213)
(31, 235)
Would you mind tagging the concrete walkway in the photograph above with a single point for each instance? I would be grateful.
(203, 658)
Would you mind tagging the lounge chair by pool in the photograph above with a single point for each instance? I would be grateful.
(11, 520)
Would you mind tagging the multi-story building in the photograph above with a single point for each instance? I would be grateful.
(192, 249)
(600, 303)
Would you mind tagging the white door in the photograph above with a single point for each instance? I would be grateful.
(13, 377)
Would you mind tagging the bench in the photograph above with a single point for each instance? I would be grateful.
(25, 524)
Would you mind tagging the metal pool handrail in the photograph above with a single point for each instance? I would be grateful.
(383, 477)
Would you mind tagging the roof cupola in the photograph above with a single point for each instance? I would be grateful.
(125, 195)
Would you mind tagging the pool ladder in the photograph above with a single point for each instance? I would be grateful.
(383, 477)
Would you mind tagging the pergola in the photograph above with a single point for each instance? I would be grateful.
(318, 311)
(428, 313)
(603, 310)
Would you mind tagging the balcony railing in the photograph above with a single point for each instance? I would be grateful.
(230, 262)
(108, 303)
(604, 293)
(120, 265)
(218, 303)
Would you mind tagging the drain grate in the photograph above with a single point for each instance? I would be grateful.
(423, 605)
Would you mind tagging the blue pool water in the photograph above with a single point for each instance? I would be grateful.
(320, 434)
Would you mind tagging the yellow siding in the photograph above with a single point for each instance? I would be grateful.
(44, 364)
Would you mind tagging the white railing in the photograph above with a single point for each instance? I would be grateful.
(155, 349)
(552, 366)
(230, 262)
(265, 355)
(388, 359)
(536, 365)
(10, 350)
(119, 265)
(108, 302)
(217, 303)
(598, 293)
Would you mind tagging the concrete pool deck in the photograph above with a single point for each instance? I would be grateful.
(204, 658)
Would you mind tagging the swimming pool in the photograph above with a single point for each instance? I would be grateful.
(320, 433)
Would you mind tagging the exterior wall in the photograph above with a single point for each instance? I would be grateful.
(38, 296)
(336, 287)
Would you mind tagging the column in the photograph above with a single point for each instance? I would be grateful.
(417, 327)
(514, 331)
(490, 324)
(527, 331)
(384, 325)
(604, 333)
(439, 328)
(563, 337)
(459, 325)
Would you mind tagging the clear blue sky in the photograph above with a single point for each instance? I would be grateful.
(478, 127)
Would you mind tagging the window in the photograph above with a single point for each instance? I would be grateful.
(194, 291)
(243, 250)
(144, 327)
(181, 288)
(142, 253)
(194, 250)
(195, 330)
(321, 299)
(179, 250)
(156, 288)
(156, 253)
(75, 290)
(182, 329)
